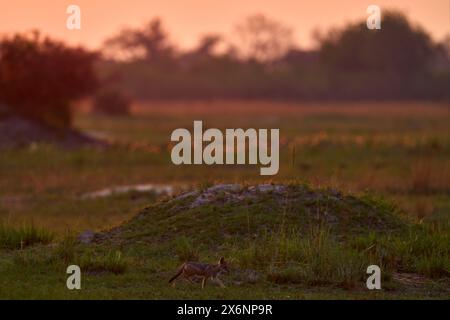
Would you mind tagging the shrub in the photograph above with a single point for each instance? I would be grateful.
(40, 77)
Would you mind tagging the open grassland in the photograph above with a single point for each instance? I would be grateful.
(400, 151)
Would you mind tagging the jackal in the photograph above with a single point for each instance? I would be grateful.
(202, 270)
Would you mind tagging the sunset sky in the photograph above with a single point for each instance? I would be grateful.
(187, 20)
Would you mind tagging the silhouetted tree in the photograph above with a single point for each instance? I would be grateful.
(208, 44)
(398, 48)
(397, 62)
(263, 39)
(39, 77)
(150, 42)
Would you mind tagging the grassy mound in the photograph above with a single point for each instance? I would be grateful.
(222, 212)
(287, 234)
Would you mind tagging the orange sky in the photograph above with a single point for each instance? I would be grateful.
(188, 19)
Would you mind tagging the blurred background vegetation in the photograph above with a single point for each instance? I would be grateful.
(259, 61)
(400, 61)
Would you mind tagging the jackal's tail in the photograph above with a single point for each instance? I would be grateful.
(180, 271)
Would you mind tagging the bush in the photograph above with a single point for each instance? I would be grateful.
(111, 103)
(39, 77)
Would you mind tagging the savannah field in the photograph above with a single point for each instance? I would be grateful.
(393, 158)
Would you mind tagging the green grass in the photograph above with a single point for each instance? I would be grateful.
(313, 259)
(24, 236)
(186, 250)
(423, 249)
(284, 265)
(66, 249)
(110, 261)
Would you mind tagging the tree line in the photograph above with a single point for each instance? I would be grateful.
(400, 61)
(40, 77)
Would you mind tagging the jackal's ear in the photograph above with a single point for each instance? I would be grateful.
(222, 260)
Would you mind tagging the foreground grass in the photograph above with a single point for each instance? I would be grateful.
(279, 253)
(322, 271)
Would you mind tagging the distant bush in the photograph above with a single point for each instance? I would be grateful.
(402, 61)
(40, 77)
(111, 103)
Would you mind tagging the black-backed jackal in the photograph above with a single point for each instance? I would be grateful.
(194, 269)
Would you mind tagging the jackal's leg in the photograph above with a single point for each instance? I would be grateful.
(203, 282)
(179, 273)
